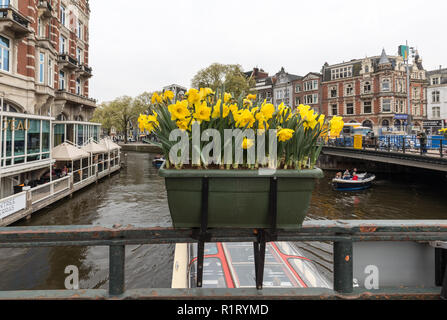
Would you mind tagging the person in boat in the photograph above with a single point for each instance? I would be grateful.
(355, 177)
(338, 175)
(347, 175)
(354, 172)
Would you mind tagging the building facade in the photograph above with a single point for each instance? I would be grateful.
(44, 84)
(437, 97)
(283, 88)
(307, 90)
(373, 91)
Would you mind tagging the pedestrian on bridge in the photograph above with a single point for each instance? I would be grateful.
(422, 136)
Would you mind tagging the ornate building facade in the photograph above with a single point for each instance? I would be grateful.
(373, 91)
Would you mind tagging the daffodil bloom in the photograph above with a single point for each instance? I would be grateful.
(245, 119)
(283, 111)
(155, 98)
(285, 134)
(251, 97)
(216, 110)
(148, 123)
(267, 110)
(184, 124)
(247, 143)
(168, 95)
(247, 103)
(227, 97)
(205, 92)
(179, 110)
(193, 96)
(202, 111)
(336, 126)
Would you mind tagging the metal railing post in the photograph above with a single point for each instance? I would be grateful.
(440, 147)
(403, 146)
(116, 269)
(343, 267)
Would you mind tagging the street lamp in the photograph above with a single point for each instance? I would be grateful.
(406, 55)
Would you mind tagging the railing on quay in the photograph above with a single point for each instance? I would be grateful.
(343, 234)
(435, 146)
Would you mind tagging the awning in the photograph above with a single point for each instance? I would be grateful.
(68, 152)
(109, 144)
(94, 147)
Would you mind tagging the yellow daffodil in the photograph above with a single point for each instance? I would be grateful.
(179, 110)
(251, 97)
(205, 92)
(267, 110)
(168, 95)
(227, 97)
(202, 111)
(193, 96)
(285, 134)
(247, 143)
(216, 110)
(148, 122)
(245, 119)
(336, 126)
(184, 124)
(155, 98)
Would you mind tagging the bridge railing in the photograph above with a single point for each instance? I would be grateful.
(343, 234)
(435, 145)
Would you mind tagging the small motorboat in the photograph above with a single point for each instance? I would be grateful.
(364, 182)
(158, 161)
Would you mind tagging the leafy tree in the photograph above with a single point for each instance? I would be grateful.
(103, 116)
(218, 75)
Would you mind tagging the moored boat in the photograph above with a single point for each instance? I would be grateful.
(157, 162)
(364, 182)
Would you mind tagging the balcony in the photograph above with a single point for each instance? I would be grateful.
(13, 21)
(85, 71)
(67, 62)
(45, 9)
(75, 98)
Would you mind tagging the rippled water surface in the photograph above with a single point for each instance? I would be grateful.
(137, 195)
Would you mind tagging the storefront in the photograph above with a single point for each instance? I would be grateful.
(75, 132)
(25, 149)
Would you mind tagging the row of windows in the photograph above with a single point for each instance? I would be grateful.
(344, 72)
(367, 88)
(399, 107)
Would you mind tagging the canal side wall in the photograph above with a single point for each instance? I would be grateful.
(31, 207)
(140, 147)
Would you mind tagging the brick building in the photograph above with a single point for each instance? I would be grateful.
(45, 58)
(373, 91)
(307, 90)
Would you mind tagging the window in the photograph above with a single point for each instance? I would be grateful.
(61, 80)
(311, 99)
(349, 90)
(343, 72)
(311, 85)
(50, 73)
(333, 92)
(350, 108)
(41, 67)
(415, 93)
(416, 110)
(434, 81)
(366, 69)
(297, 101)
(334, 109)
(78, 86)
(62, 15)
(435, 96)
(297, 88)
(40, 28)
(4, 54)
(367, 87)
(62, 45)
(79, 55)
(386, 105)
(386, 85)
(385, 123)
(436, 112)
(4, 3)
(367, 107)
(79, 29)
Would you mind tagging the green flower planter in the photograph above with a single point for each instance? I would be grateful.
(238, 198)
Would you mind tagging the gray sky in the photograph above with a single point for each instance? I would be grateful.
(143, 45)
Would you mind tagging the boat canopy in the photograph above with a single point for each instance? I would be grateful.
(93, 147)
(109, 144)
(68, 152)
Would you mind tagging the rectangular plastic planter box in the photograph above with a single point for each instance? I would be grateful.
(239, 198)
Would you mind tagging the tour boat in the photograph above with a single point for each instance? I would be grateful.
(231, 265)
(157, 162)
(364, 182)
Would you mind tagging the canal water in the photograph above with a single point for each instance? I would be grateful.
(137, 195)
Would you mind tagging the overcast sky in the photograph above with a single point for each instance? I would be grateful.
(143, 45)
